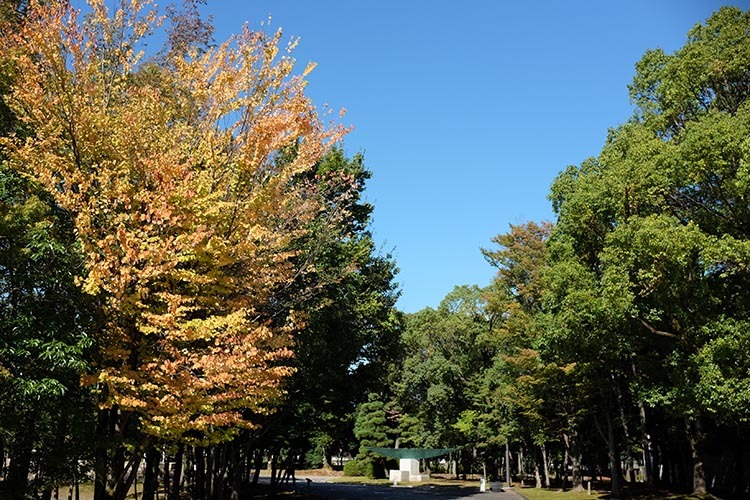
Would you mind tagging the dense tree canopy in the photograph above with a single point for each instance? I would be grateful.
(209, 225)
(648, 262)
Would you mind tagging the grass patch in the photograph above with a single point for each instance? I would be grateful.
(545, 494)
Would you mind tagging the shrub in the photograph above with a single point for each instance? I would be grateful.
(357, 468)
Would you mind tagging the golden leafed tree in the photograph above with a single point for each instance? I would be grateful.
(186, 201)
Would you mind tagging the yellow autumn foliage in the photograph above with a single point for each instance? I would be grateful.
(169, 170)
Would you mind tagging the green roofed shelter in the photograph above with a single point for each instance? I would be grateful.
(415, 453)
(409, 461)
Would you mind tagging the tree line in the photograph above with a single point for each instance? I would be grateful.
(614, 341)
(187, 278)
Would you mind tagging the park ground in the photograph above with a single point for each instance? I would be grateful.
(333, 486)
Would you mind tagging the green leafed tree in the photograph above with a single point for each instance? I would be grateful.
(351, 334)
(372, 429)
(649, 272)
(446, 353)
(45, 344)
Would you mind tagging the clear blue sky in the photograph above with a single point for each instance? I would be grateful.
(466, 111)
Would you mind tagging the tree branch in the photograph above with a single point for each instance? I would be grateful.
(657, 332)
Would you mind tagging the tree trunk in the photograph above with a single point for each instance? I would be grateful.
(463, 459)
(537, 474)
(574, 455)
(695, 437)
(114, 473)
(188, 471)
(150, 474)
(177, 477)
(210, 465)
(577, 476)
(614, 459)
(18, 471)
(167, 483)
(200, 474)
(235, 470)
(507, 464)
(546, 465)
(625, 429)
(648, 467)
(258, 465)
(291, 466)
(125, 481)
(221, 470)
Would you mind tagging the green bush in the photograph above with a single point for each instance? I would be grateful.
(364, 467)
(314, 458)
(357, 468)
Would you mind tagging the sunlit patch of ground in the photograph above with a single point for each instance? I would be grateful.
(631, 494)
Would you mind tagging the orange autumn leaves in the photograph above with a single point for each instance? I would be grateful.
(186, 216)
